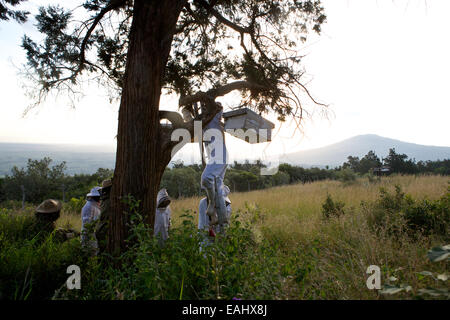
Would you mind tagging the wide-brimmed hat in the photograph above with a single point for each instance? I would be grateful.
(106, 183)
(49, 206)
(95, 192)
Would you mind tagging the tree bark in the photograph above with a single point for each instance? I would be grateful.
(141, 154)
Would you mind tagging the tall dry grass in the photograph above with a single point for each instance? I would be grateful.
(331, 257)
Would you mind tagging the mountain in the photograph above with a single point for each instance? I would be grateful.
(80, 159)
(87, 159)
(336, 154)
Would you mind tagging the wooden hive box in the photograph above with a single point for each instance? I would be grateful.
(247, 125)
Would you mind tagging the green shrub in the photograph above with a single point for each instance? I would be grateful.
(33, 269)
(234, 265)
(75, 205)
(346, 176)
(331, 208)
(396, 211)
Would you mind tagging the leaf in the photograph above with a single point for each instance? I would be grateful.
(426, 273)
(387, 289)
(435, 292)
(442, 277)
(439, 253)
(393, 279)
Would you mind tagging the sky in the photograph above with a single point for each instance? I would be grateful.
(382, 66)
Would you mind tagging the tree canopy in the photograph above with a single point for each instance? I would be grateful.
(218, 46)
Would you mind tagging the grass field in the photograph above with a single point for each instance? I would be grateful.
(333, 255)
(328, 258)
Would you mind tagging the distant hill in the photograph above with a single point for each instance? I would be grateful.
(335, 154)
(80, 159)
(87, 159)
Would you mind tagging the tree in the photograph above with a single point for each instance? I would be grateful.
(140, 48)
(369, 161)
(6, 11)
(352, 163)
(39, 181)
(398, 163)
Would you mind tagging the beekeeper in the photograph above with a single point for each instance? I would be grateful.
(203, 218)
(162, 216)
(90, 214)
(214, 172)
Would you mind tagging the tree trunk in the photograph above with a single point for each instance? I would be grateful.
(140, 162)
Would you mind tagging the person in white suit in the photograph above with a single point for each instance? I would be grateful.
(90, 214)
(204, 223)
(214, 172)
(162, 216)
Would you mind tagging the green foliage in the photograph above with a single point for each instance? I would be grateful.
(398, 211)
(398, 163)
(75, 205)
(369, 161)
(436, 254)
(33, 262)
(346, 175)
(233, 265)
(194, 61)
(331, 208)
(40, 182)
(6, 11)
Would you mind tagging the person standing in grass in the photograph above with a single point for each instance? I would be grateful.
(204, 222)
(162, 216)
(47, 213)
(90, 214)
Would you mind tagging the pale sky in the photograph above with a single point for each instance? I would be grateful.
(382, 66)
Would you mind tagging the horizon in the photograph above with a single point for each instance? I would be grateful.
(371, 65)
(113, 146)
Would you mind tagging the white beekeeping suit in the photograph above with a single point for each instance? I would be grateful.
(203, 219)
(214, 173)
(162, 215)
(89, 214)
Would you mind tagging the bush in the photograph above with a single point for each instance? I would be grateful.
(332, 208)
(347, 176)
(396, 211)
(232, 266)
(75, 205)
(32, 263)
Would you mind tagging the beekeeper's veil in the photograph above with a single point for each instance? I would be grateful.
(163, 199)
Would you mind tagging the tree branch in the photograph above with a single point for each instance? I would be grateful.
(220, 91)
(222, 19)
(113, 4)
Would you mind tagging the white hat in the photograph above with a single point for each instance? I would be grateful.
(95, 192)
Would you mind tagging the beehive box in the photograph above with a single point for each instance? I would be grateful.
(247, 125)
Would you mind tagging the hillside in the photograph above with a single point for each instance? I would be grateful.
(336, 154)
(87, 159)
(80, 159)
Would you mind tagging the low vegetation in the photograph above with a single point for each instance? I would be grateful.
(302, 241)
